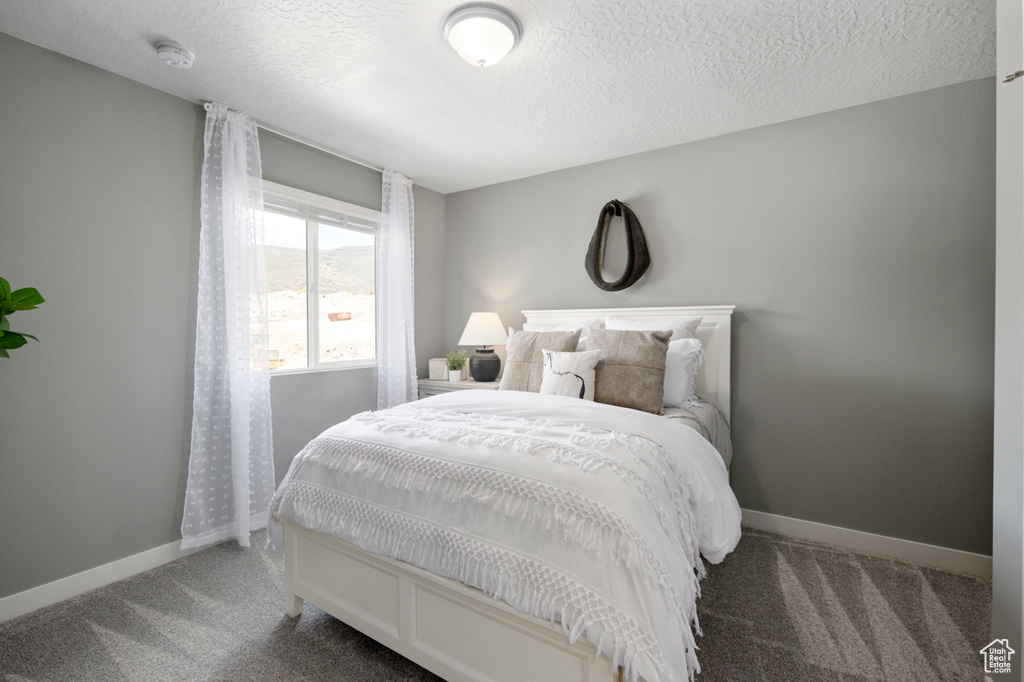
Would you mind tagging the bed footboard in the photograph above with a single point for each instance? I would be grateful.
(453, 630)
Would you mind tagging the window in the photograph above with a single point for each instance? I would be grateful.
(321, 260)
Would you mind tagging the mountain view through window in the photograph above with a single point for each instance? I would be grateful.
(342, 307)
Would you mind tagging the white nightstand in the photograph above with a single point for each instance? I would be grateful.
(428, 387)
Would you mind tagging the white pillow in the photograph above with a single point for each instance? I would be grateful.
(570, 374)
(584, 326)
(684, 357)
(682, 327)
(682, 360)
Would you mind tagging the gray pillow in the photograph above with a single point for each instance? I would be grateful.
(631, 372)
(524, 363)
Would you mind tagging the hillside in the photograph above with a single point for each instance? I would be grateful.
(346, 269)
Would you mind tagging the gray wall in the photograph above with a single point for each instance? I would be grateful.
(98, 210)
(1008, 458)
(858, 247)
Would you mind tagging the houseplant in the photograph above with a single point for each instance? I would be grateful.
(456, 361)
(10, 303)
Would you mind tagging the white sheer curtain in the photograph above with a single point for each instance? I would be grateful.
(231, 466)
(396, 364)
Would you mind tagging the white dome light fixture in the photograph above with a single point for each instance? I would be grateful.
(173, 54)
(481, 34)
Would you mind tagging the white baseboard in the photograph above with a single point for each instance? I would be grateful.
(907, 550)
(37, 597)
(45, 595)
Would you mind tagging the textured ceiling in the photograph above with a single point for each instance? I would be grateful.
(588, 81)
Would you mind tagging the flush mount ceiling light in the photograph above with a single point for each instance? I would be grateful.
(173, 54)
(481, 34)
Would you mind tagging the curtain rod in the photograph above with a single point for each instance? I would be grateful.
(308, 143)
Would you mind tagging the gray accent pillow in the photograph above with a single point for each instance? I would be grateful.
(631, 372)
(524, 363)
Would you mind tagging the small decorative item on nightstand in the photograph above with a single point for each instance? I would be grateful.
(456, 364)
(484, 329)
(438, 369)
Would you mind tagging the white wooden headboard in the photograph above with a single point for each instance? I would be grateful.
(714, 380)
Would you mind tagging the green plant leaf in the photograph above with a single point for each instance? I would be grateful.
(456, 360)
(27, 296)
(10, 306)
(12, 340)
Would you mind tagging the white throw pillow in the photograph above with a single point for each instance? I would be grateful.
(682, 360)
(570, 374)
(584, 327)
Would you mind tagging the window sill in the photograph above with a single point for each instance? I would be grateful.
(327, 368)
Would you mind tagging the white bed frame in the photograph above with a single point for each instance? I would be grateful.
(456, 631)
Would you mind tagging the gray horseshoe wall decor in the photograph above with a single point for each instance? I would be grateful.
(638, 258)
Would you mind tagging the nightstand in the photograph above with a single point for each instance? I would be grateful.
(428, 387)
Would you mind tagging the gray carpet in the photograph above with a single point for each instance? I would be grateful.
(776, 609)
(783, 609)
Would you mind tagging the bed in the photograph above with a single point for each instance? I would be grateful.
(462, 633)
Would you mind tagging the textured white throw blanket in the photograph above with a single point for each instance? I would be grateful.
(573, 511)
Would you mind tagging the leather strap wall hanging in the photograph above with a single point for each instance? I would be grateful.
(638, 259)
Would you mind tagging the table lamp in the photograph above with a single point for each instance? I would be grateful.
(484, 329)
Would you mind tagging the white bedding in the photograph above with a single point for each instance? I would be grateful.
(578, 512)
(706, 419)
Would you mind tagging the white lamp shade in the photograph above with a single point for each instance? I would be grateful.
(483, 329)
(481, 34)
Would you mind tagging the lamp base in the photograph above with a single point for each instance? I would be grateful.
(484, 365)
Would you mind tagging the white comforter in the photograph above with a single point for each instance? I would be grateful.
(568, 510)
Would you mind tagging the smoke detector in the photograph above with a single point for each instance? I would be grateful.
(173, 54)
